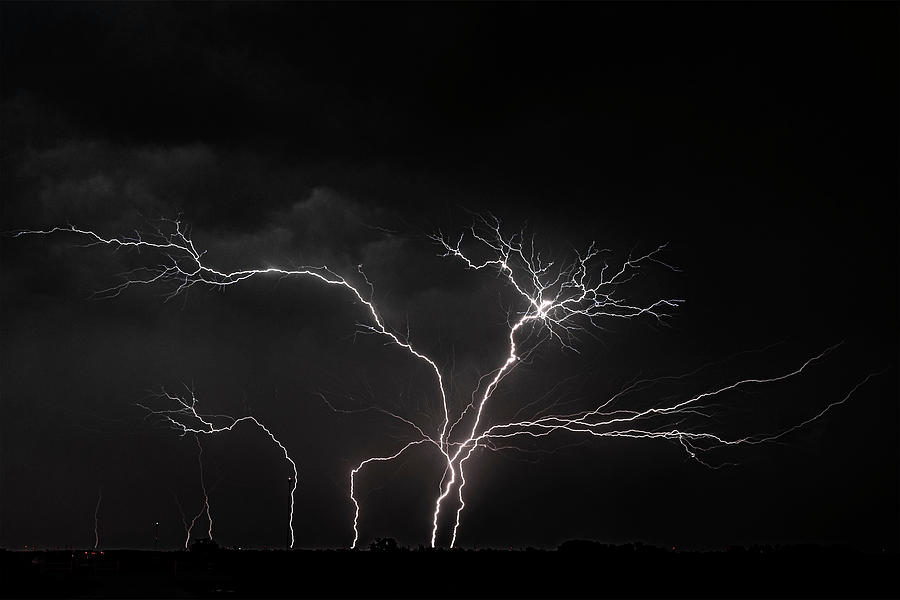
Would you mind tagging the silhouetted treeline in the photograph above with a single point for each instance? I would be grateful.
(577, 569)
(592, 547)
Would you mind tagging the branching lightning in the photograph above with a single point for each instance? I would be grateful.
(187, 420)
(97, 518)
(187, 527)
(557, 301)
(206, 508)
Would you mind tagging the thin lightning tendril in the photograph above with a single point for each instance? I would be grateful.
(97, 518)
(185, 268)
(184, 522)
(558, 302)
(206, 508)
(186, 419)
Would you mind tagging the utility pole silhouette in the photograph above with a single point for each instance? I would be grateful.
(156, 536)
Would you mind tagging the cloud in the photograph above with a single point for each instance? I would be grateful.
(100, 184)
(255, 211)
(245, 210)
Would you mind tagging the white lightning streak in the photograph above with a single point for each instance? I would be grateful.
(558, 301)
(353, 473)
(185, 268)
(180, 418)
(97, 518)
(205, 492)
(187, 528)
(557, 298)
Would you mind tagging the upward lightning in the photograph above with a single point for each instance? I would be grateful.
(556, 302)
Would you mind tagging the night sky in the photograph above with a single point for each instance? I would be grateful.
(758, 140)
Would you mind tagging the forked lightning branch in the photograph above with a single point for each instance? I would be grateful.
(555, 302)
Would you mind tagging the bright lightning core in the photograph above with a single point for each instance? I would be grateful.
(557, 301)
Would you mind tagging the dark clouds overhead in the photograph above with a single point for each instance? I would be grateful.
(758, 140)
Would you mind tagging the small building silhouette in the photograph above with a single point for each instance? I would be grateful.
(204, 545)
(384, 545)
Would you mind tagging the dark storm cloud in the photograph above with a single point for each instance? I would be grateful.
(246, 211)
(759, 142)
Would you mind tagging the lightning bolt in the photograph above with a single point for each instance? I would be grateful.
(186, 419)
(186, 268)
(356, 470)
(97, 518)
(184, 522)
(558, 301)
(189, 527)
(205, 492)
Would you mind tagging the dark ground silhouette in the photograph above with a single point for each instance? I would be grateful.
(577, 569)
